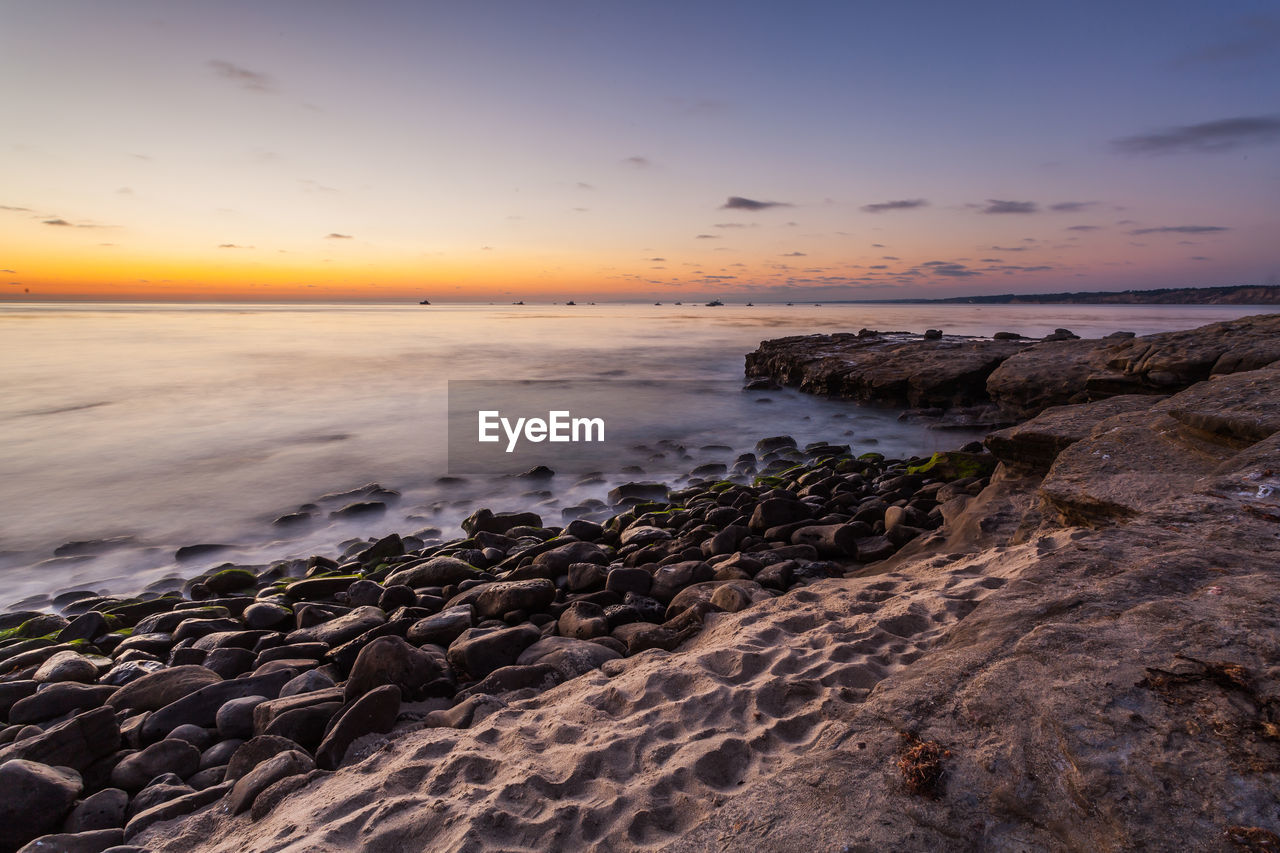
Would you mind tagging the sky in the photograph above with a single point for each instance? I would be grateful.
(552, 150)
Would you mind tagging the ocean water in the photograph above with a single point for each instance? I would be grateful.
(158, 426)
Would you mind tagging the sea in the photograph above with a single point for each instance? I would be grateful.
(128, 431)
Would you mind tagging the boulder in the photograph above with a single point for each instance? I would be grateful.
(443, 628)
(253, 783)
(54, 700)
(375, 711)
(36, 799)
(392, 661)
(255, 751)
(103, 810)
(167, 756)
(76, 743)
(479, 651)
(152, 692)
(570, 657)
(438, 571)
(530, 596)
(201, 707)
(90, 841)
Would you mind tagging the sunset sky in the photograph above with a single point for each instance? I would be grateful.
(648, 150)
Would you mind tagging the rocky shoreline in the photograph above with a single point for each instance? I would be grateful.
(1064, 640)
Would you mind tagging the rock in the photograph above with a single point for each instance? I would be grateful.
(895, 368)
(267, 712)
(66, 666)
(231, 580)
(152, 692)
(255, 751)
(586, 576)
(86, 626)
(1031, 447)
(375, 711)
(392, 661)
(643, 534)
(443, 628)
(219, 755)
(773, 512)
(671, 578)
(360, 510)
(583, 620)
(587, 531)
(249, 786)
(103, 810)
(161, 790)
(174, 808)
(871, 549)
(76, 743)
(307, 682)
(831, 540)
(556, 561)
(129, 671)
(539, 676)
(198, 737)
(167, 756)
(637, 492)
(365, 593)
(623, 581)
(92, 841)
(273, 794)
(735, 596)
(201, 707)
(570, 657)
(490, 522)
(471, 710)
(381, 551)
(54, 700)
(640, 636)
(36, 799)
(12, 691)
(438, 571)
(229, 663)
(479, 651)
(528, 595)
(264, 615)
(337, 631)
(726, 541)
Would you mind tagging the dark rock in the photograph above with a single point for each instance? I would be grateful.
(86, 626)
(266, 712)
(76, 743)
(293, 651)
(773, 512)
(274, 793)
(540, 676)
(587, 531)
(196, 552)
(490, 522)
(479, 651)
(396, 596)
(443, 628)
(229, 662)
(338, 631)
(265, 615)
(622, 581)
(12, 691)
(585, 576)
(375, 711)
(201, 707)
(57, 699)
(198, 737)
(873, 548)
(219, 755)
(249, 786)
(831, 540)
(382, 550)
(92, 841)
(161, 790)
(255, 751)
(304, 725)
(154, 691)
(364, 593)
(231, 580)
(174, 808)
(583, 620)
(570, 657)
(670, 579)
(392, 661)
(529, 595)
(307, 682)
(640, 636)
(728, 540)
(361, 509)
(438, 571)
(644, 534)
(167, 756)
(103, 810)
(36, 799)
(638, 491)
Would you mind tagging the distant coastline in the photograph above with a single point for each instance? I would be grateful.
(1240, 294)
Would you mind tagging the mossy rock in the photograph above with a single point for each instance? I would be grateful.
(720, 486)
(956, 465)
(768, 480)
(231, 580)
(871, 457)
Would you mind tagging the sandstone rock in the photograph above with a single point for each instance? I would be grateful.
(583, 620)
(201, 707)
(568, 656)
(255, 751)
(175, 808)
(438, 571)
(54, 700)
(443, 628)
(91, 841)
(528, 595)
(540, 676)
(76, 743)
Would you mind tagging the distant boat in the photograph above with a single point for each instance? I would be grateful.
(749, 305)
(679, 303)
(425, 302)
(571, 302)
(714, 303)
(521, 302)
(659, 303)
(788, 304)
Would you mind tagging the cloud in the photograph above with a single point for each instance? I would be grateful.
(1181, 229)
(995, 205)
(334, 235)
(1071, 206)
(1084, 228)
(1211, 136)
(637, 162)
(254, 81)
(795, 255)
(1008, 248)
(583, 185)
(737, 202)
(233, 246)
(707, 237)
(55, 221)
(657, 260)
(15, 209)
(952, 270)
(902, 204)
(1263, 37)
(734, 225)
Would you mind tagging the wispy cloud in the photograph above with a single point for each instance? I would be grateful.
(707, 237)
(637, 162)
(795, 255)
(233, 246)
(901, 204)
(1261, 36)
(15, 209)
(737, 202)
(1211, 136)
(1181, 229)
(1071, 206)
(995, 205)
(334, 235)
(254, 81)
(1084, 228)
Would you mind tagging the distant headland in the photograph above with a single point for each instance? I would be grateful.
(1239, 294)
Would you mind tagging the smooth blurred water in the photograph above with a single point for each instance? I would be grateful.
(177, 424)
